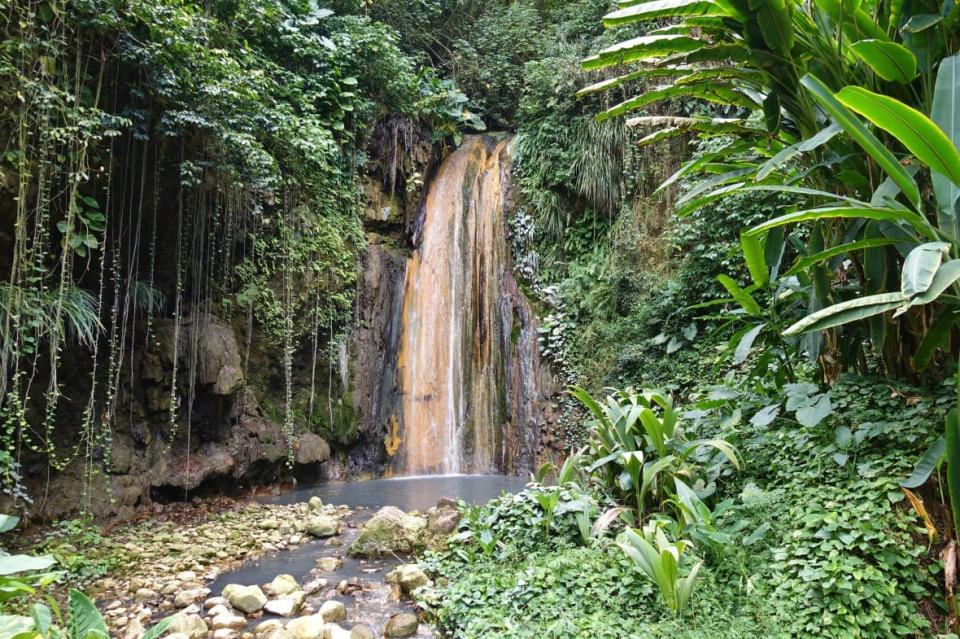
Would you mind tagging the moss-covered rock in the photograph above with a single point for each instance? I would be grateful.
(389, 531)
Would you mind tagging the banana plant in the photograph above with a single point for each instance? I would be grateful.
(659, 560)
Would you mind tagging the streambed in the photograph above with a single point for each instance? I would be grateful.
(358, 583)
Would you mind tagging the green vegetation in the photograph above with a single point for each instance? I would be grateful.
(737, 220)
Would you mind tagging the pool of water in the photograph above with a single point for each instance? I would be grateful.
(406, 493)
(372, 605)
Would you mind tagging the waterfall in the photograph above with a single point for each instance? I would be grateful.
(468, 364)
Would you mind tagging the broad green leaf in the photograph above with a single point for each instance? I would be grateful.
(933, 339)
(804, 146)
(946, 275)
(13, 564)
(921, 22)
(913, 129)
(16, 626)
(848, 311)
(815, 413)
(42, 617)
(946, 113)
(891, 61)
(926, 464)
(860, 26)
(753, 255)
(859, 132)
(85, 620)
(663, 9)
(807, 261)
(773, 17)
(8, 522)
(744, 299)
(765, 416)
(718, 92)
(746, 343)
(921, 265)
(642, 48)
(831, 212)
(952, 452)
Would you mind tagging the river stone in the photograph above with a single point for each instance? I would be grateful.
(219, 609)
(361, 631)
(246, 598)
(267, 626)
(333, 610)
(328, 564)
(228, 620)
(287, 605)
(408, 576)
(401, 625)
(336, 632)
(186, 597)
(283, 585)
(145, 594)
(315, 504)
(389, 531)
(225, 633)
(193, 626)
(323, 526)
(309, 627)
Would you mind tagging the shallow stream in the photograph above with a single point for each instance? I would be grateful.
(368, 599)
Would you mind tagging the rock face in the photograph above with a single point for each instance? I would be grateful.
(221, 438)
(389, 531)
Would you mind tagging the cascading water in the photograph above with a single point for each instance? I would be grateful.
(468, 365)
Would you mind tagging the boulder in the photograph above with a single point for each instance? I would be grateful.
(283, 585)
(323, 526)
(361, 631)
(246, 598)
(288, 605)
(389, 531)
(228, 620)
(328, 564)
(308, 627)
(401, 625)
(193, 626)
(333, 610)
(267, 627)
(336, 632)
(186, 597)
(310, 448)
(408, 576)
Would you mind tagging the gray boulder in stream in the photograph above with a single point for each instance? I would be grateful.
(323, 526)
(389, 531)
